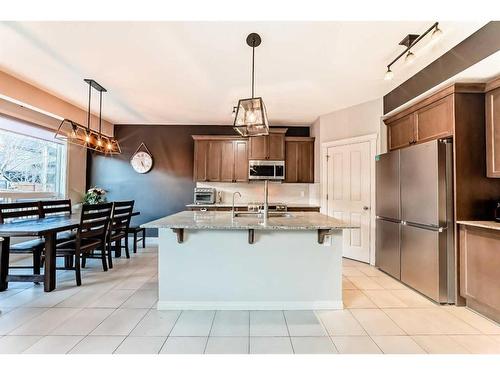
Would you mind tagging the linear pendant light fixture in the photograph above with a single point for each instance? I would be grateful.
(409, 42)
(84, 136)
(251, 116)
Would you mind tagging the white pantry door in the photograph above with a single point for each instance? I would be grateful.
(348, 195)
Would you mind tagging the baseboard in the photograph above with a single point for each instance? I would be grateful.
(250, 305)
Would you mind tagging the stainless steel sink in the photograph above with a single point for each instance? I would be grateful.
(259, 215)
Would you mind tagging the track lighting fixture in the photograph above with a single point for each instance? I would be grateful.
(409, 42)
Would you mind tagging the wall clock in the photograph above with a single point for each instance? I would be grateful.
(142, 161)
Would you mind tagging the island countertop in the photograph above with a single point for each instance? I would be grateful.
(224, 220)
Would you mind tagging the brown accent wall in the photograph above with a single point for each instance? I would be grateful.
(168, 187)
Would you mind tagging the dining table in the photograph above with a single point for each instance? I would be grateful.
(46, 227)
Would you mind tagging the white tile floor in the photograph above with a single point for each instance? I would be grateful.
(114, 312)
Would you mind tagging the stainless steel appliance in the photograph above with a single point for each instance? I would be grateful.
(266, 170)
(204, 195)
(414, 208)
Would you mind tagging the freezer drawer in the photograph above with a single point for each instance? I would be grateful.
(387, 185)
(387, 247)
(423, 261)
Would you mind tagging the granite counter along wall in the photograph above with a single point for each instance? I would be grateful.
(169, 186)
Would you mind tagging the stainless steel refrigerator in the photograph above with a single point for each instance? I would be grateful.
(414, 208)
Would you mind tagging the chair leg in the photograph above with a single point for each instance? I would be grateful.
(143, 238)
(135, 242)
(126, 247)
(37, 259)
(110, 255)
(84, 260)
(118, 250)
(77, 268)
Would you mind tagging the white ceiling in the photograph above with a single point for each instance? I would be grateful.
(194, 72)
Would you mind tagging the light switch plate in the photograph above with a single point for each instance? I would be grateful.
(328, 240)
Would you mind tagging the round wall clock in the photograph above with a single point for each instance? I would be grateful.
(142, 161)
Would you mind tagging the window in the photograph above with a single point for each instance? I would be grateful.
(31, 161)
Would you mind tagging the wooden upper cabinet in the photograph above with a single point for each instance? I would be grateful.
(220, 159)
(401, 132)
(268, 147)
(258, 148)
(493, 133)
(214, 160)
(200, 160)
(240, 161)
(299, 159)
(435, 120)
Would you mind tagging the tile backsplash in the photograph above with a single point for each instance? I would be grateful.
(254, 192)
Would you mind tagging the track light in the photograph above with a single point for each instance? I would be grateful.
(389, 74)
(409, 42)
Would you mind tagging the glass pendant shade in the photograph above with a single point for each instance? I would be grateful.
(251, 118)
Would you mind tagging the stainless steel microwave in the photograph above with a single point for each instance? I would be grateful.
(266, 170)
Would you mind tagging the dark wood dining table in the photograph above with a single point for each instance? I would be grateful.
(47, 228)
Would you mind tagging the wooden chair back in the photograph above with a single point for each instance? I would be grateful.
(19, 210)
(94, 221)
(55, 207)
(121, 216)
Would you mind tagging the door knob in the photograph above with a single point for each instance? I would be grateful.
(366, 208)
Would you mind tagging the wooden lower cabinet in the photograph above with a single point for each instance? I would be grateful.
(479, 269)
(299, 160)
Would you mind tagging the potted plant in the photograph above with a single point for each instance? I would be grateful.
(94, 195)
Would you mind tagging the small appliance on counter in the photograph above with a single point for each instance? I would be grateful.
(204, 195)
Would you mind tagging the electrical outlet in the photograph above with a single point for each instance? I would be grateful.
(302, 194)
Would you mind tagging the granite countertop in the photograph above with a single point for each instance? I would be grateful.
(239, 204)
(481, 224)
(224, 220)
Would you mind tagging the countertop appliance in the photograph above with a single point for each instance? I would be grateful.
(266, 170)
(414, 208)
(204, 195)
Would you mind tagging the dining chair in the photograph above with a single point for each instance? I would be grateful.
(119, 228)
(24, 210)
(136, 230)
(90, 236)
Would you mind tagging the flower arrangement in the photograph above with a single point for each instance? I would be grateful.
(94, 195)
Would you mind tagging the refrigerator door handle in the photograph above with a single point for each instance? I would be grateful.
(425, 226)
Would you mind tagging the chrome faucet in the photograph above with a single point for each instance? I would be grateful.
(233, 211)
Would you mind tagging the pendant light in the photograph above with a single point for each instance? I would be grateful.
(251, 116)
(85, 136)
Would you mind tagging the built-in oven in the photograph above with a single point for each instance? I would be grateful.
(204, 195)
(266, 170)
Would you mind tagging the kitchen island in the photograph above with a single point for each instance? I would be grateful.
(212, 260)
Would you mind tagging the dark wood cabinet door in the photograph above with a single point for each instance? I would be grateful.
(299, 160)
(276, 146)
(306, 162)
(240, 161)
(214, 159)
(493, 133)
(435, 120)
(402, 132)
(258, 148)
(227, 161)
(200, 160)
(291, 161)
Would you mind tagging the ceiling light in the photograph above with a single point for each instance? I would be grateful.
(389, 74)
(410, 57)
(85, 136)
(251, 116)
(436, 34)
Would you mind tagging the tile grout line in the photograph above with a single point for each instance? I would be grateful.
(169, 332)
(209, 332)
(288, 330)
(326, 330)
